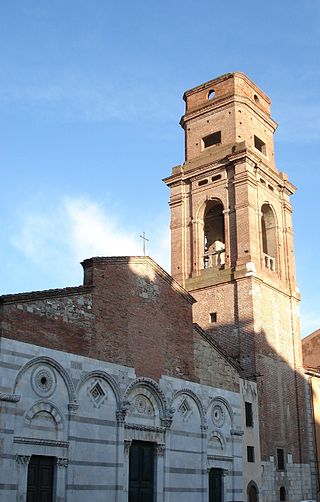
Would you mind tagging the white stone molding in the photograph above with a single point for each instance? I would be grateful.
(48, 361)
(219, 400)
(194, 397)
(148, 428)
(12, 398)
(154, 390)
(104, 377)
(41, 442)
(236, 432)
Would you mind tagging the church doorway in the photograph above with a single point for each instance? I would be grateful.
(252, 492)
(215, 485)
(141, 472)
(40, 479)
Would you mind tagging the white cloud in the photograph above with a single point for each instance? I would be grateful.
(55, 241)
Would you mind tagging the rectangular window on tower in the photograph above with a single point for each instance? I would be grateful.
(249, 415)
(211, 139)
(213, 317)
(259, 145)
(250, 453)
(280, 459)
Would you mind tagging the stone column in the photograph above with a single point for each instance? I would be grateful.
(125, 479)
(60, 488)
(22, 462)
(204, 461)
(122, 455)
(160, 454)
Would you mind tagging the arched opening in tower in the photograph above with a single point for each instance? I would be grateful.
(214, 236)
(269, 237)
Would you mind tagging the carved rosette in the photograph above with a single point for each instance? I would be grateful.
(23, 459)
(43, 381)
(218, 415)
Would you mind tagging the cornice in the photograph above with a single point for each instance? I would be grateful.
(41, 442)
(46, 293)
(11, 398)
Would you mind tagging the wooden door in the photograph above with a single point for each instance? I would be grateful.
(141, 472)
(40, 479)
(215, 485)
(252, 494)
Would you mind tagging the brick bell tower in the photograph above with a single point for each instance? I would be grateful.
(232, 249)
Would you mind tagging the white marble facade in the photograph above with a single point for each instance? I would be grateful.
(85, 413)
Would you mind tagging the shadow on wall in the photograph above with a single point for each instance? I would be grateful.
(282, 399)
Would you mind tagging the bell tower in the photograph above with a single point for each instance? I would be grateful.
(232, 249)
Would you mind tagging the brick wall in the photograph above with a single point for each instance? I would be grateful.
(128, 312)
(311, 350)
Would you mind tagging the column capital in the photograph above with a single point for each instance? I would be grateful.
(23, 459)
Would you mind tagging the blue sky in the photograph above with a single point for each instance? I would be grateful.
(90, 101)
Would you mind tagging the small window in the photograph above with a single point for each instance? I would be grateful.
(255, 97)
(249, 416)
(213, 317)
(259, 145)
(216, 178)
(211, 94)
(280, 459)
(250, 453)
(212, 139)
(282, 494)
(202, 182)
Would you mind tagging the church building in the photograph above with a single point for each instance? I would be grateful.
(138, 386)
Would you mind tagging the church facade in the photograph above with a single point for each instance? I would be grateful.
(144, 387)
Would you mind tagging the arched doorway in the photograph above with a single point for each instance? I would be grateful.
(252, 492)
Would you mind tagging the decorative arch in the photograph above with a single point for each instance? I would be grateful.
(252, 492)
(154, 389)
(269, 235)
(49, 408)
(195, 398)
(103, 376)
(212, 233)
(54, 364)
(219, 437)
(200, 213)
(222, 400)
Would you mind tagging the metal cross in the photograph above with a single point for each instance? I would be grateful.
(143, 236)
